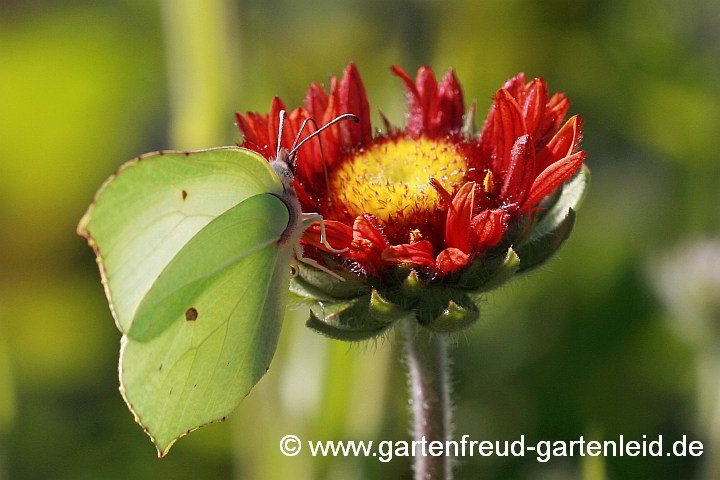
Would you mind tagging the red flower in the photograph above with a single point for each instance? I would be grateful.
(427, 195)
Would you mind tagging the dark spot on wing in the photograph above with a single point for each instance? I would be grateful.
(184, 194)
(160, 369)
(191, 314)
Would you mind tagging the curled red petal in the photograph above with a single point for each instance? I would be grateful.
(552, 177)
(353, 99)
(339, 235)
(521, 171)
(457, 224)
(488, 228)
(418, 253)
(368, 244)
(451, 259)
(563, 144)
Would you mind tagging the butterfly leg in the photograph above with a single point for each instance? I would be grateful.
(310, 218)
(300, 258)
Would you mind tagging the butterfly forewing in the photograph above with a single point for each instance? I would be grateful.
(145, 213)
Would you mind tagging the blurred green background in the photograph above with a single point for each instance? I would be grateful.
(587, 346)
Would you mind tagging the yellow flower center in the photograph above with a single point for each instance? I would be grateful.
(391, 180)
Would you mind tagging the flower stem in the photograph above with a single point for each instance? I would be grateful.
(429, 384)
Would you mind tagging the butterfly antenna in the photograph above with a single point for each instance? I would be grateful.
(345, 116)
(322, 156)
(280, 133)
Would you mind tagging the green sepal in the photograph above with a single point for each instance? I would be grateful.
(453, 319)
(445, 310)
(488, 272)
(553, 223)
(384, 310)
(538, 249)
(503, 274)
(412, 286)
(317, 285)
(360, 319)
(554, 208)
(344, 334)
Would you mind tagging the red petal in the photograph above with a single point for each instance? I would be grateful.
(552, 177)
(254, 129)
(555, 111)
(316, 101)
(488, 228)
(508, 126)
(353, 99)
(309, 159)
(246, 129)
(339, 235)
(515, 85)
(521, 171)
(450, 260)
(457, 225)
(421, 95)
(446, 113)
(307, 203)
(534, 105)
(563, 144)
(419, 253)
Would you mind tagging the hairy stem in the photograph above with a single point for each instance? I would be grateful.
(429, 384)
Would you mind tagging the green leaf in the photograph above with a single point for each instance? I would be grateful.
(206, 331)
(153, 205)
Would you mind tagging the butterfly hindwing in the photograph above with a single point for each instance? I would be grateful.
(206, 330)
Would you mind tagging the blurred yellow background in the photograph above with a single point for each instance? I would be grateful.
(587, 346)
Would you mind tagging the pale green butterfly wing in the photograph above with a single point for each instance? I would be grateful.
(206, 331)
(145, 213)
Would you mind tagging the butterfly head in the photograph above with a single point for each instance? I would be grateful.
(284, 167)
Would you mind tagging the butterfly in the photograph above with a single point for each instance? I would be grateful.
(195, 251)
